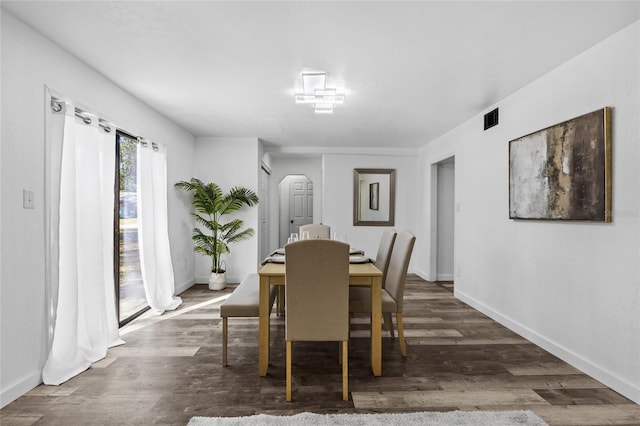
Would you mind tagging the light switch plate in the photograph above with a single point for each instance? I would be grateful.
(28, 199)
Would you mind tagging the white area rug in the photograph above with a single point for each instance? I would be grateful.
(458, 418)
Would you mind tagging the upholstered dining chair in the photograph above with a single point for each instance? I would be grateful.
(384, 252)
(382, 262)
(316, 230)
(393, 291)
(317, 293)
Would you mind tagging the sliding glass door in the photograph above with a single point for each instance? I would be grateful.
(130, 295)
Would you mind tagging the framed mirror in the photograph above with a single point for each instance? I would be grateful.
(374, 197)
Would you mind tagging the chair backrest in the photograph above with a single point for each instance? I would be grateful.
(398, 266)
(316, 230)
(317, 290)
(384, 252)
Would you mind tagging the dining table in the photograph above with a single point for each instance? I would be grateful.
(360, 274)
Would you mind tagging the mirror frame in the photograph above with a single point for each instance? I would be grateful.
(392, 197)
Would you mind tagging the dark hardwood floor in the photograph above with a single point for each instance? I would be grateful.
(170, 370)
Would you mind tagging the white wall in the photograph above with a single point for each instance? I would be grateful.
(29, 62)
(332, 177)
(231, 162)
(337, 208)
(572, 288)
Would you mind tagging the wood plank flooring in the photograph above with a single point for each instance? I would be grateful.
(170, 370)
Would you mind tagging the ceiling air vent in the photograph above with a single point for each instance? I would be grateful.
(491, 119)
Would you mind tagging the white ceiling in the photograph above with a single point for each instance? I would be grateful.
(411, 70)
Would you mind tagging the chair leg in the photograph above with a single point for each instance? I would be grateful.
(345, 370)
(403, 344)
(224, 341)
(340, 353)
(281, 301)
(389, 323)
(288, 370)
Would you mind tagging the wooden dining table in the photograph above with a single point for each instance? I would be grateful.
(360, 274)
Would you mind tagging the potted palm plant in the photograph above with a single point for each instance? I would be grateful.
(211, 204)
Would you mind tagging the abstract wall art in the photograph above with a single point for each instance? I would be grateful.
(563, 172)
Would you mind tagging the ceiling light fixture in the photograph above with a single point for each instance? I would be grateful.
(314, 92)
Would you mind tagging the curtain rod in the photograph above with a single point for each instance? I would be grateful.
(56, 106)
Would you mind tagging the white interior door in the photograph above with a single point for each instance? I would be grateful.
(300, 203)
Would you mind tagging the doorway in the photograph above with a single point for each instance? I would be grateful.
(296, 205)
(263, 212)
(443, 209)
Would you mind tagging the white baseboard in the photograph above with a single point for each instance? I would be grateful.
(15, 391)
(179, 288)
(424, 275)
(445, 277)
(610, 379)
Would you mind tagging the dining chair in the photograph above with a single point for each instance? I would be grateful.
(382, 262)
(317, 293)
(393, 291)
(384, 252)
(316, 230)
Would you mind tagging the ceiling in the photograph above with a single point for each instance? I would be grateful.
(411, 71)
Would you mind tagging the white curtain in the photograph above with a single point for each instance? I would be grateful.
(153, 229)
(85, 321)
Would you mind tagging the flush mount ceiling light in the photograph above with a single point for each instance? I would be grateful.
(314, 92)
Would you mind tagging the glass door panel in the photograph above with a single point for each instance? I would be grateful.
(129, 288)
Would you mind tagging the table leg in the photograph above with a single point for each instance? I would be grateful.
(376, 326)
(263, 345)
